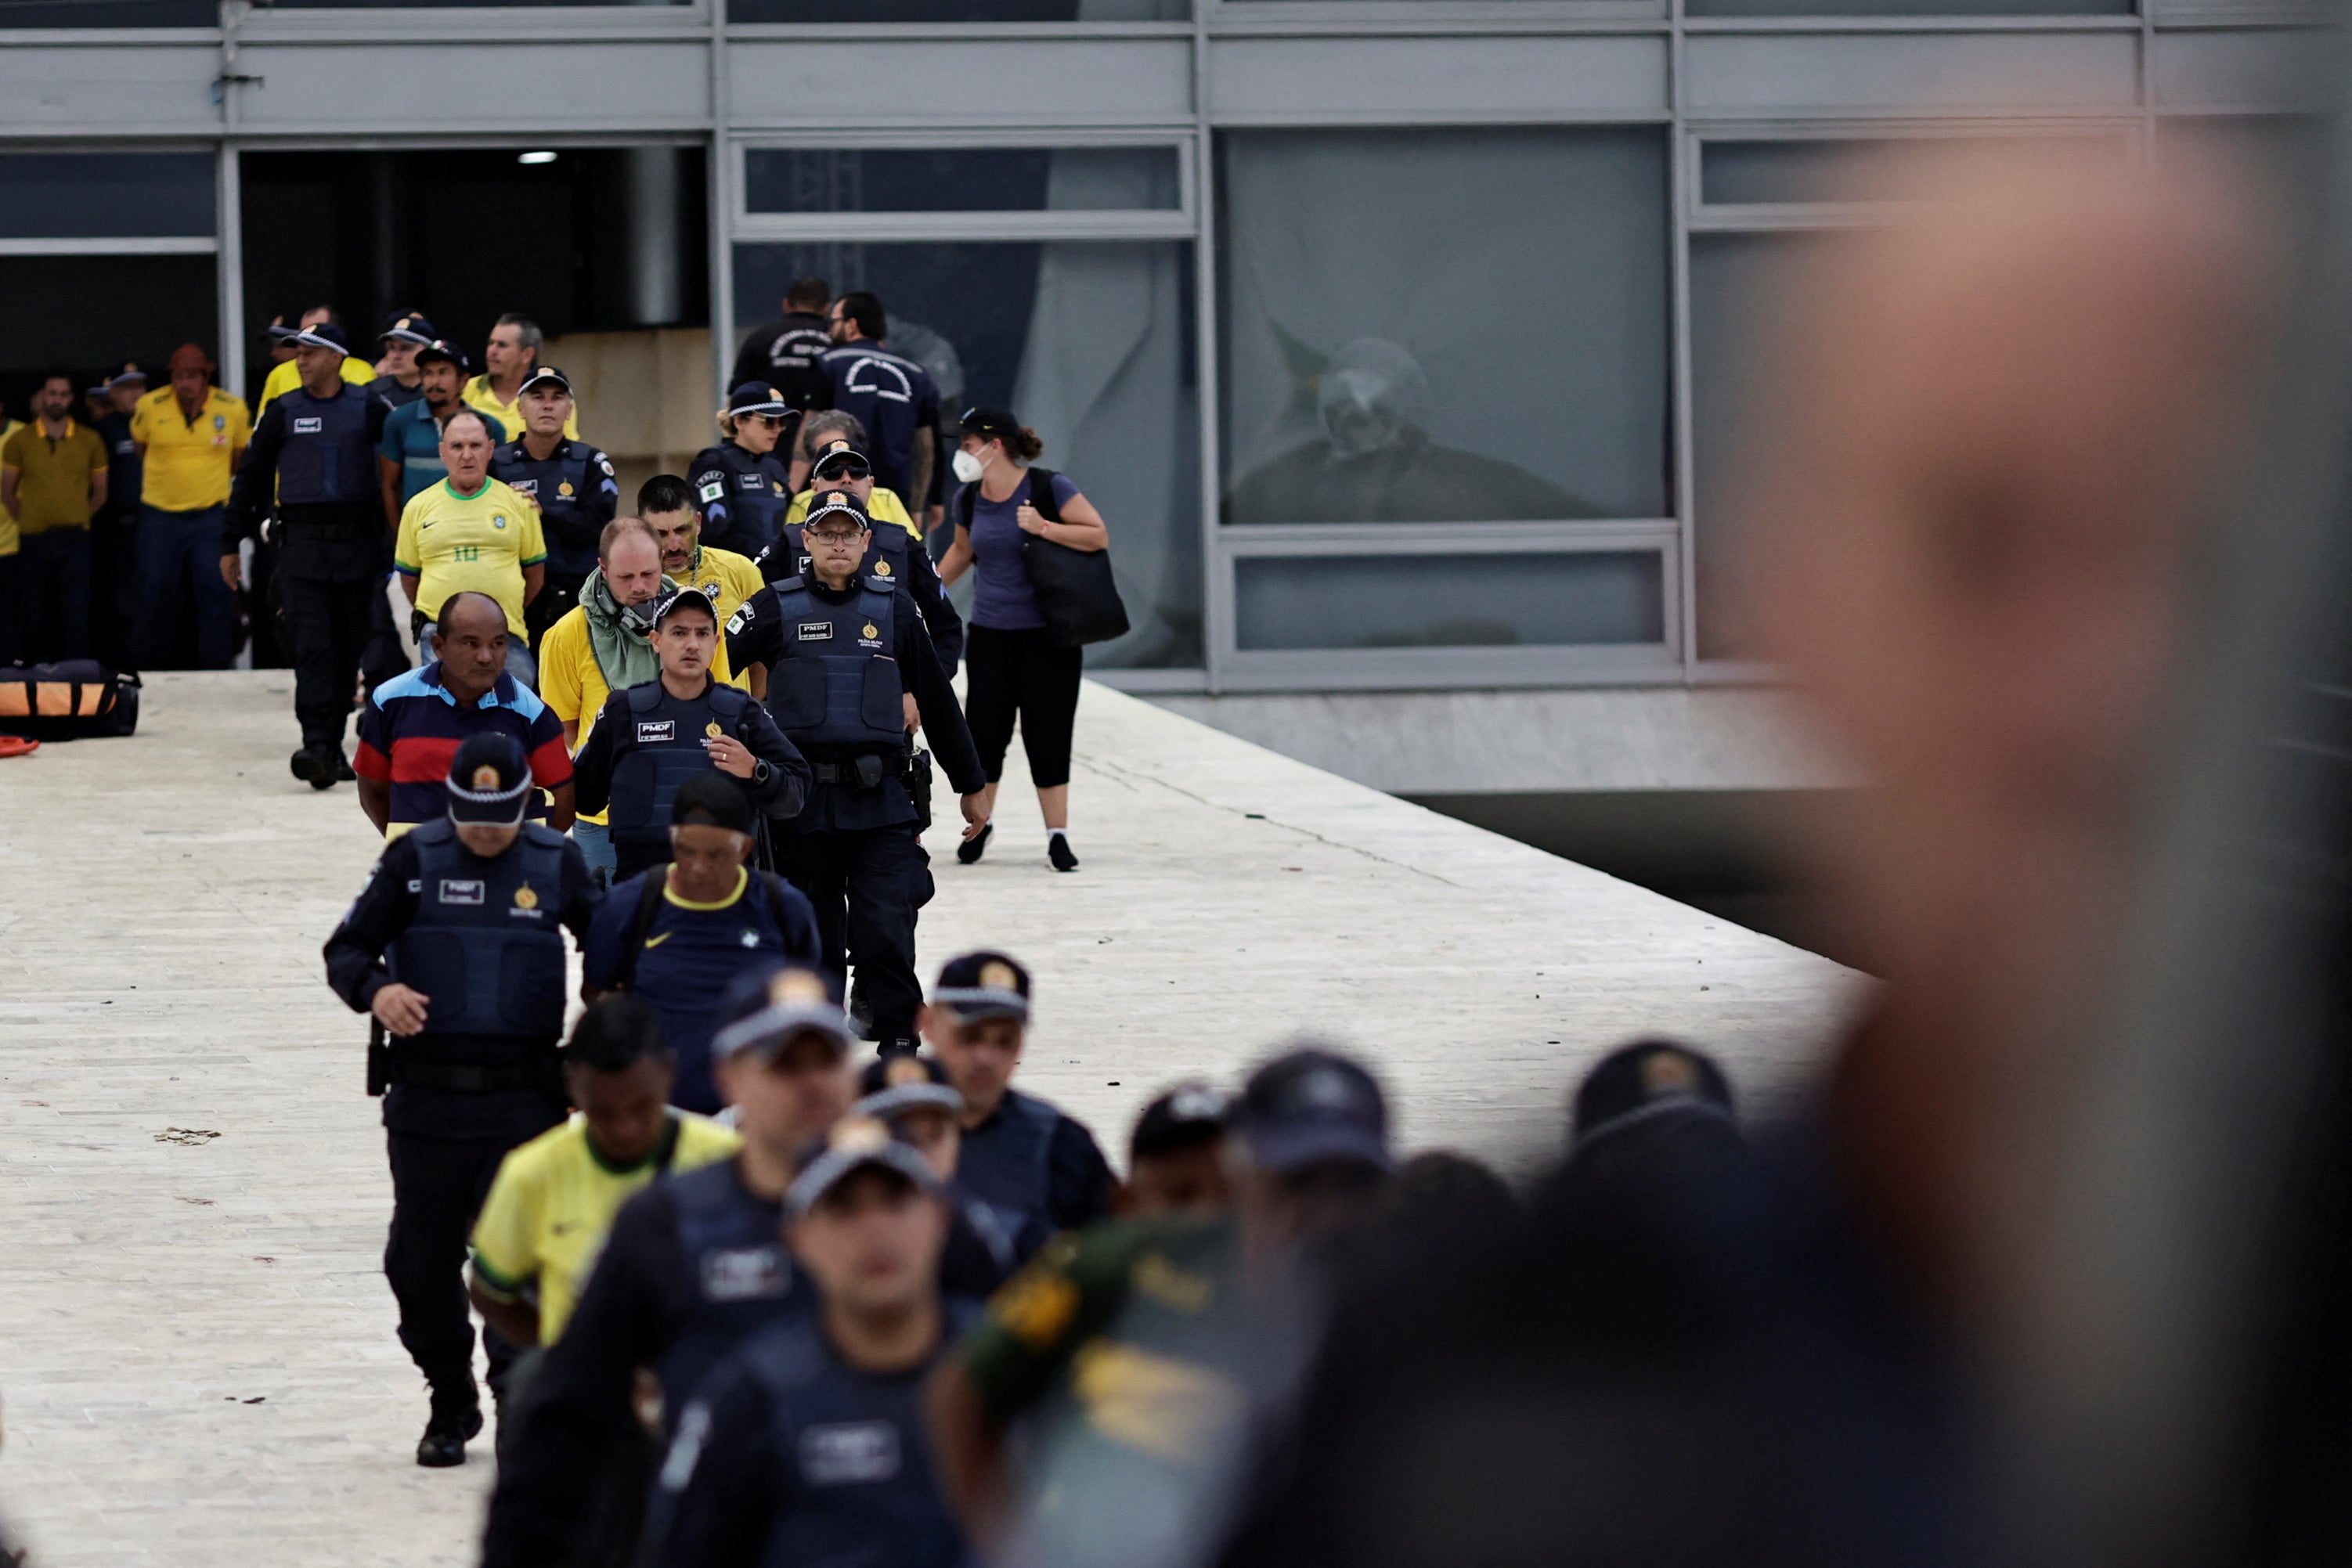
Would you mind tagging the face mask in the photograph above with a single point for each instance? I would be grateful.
(968, 466)
(639, 618)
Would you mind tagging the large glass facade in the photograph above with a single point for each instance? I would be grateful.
(959, 179)
(1444, 326)
(1439, 600)
(1091, 343)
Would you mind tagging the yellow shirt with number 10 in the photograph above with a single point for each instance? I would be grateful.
(469, 544)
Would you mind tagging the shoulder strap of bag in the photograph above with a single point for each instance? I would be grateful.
(1042, 496)
(641, 925)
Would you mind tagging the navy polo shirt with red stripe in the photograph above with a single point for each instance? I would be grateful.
(413, 725)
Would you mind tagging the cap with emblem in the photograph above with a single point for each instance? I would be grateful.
(1184, 1117)
(546, 376)
(766, 1008)
(711, 800)
(129, 375)
(325, 335)
(841, 458)
(490, 781)
(686, 598)
(442, 352)
(1648, 1079)
(1313, 1106)
(840, 506)
(857, 1143)
(408, 327)
(903, 1082)
(757, 397)
(983, 984)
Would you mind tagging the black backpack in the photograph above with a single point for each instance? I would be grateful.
(67, 701)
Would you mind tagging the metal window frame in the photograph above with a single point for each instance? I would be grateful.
(1178, 221)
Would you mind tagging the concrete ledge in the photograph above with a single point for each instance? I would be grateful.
(196, 1344)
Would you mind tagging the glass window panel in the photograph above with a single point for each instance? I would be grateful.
(111, 14)
(1842, 169)
(1736, 283)
(1444, 326)
(1091, 344)
(1909, 8)
(100, 311)
(1410, 601)
(958, 11)
(106, 196)
(965, 180)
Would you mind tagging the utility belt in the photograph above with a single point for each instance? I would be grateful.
(387, 1066)
(912, 770)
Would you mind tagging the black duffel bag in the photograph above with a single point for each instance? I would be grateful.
(1074, 587)
(66, 700)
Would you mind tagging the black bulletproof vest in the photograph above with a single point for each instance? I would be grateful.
(484, 946)
(742, 1277)
(559, 486)
(659, 746)
(744, 493)
(836, 683)
(1003, 1172)
(328, 456)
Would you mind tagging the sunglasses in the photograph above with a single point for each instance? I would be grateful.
(843, 469)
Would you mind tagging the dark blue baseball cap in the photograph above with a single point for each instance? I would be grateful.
(1648, 1079)
(983, 984)
(490, 781)
(1311, 1107)
(757, 397)
(856, 1143)
(408, 327)
(325, 335)
(766, 1007)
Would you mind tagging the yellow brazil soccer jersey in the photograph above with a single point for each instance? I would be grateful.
(883, 506)
(553, 1200)
(284, 377)
(479, 543)
(478, 396)
(186, 465)
(729, 579)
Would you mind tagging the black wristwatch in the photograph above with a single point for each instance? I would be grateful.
(761, 772)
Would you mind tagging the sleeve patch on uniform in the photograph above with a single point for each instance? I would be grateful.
(713, 489)
(741, 618)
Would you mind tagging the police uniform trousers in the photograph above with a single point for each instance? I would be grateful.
(866, 884)
(437, 1188)
(324, 579)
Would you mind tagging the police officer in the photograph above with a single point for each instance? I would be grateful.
(694, 1265)
(891, 552)
(807, 1447)
(1028, 1168)
(453, 945)
(742, 483)
(315, 450)
(649, 739)
(847, 668)
(570, 483)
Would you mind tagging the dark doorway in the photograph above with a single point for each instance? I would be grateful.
(578, 239)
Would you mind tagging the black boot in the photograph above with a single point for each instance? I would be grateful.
(457, 1415)
(313, 767)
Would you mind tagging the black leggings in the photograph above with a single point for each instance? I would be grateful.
(1021, 673)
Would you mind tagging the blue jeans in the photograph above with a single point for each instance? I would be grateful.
(179, 575)
(55, 586)
(595, 842)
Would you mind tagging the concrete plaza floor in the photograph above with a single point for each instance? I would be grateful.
(196, 1350)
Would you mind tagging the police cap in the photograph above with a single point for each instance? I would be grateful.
(757, 397)
(854, 1144)
(325, 335)
(490, 781)
(1646, 1079)
(1183, 1117)
(902, 1082)
(686, 598)
(1313, 1106)
(546, 375)
(444, 352)
(841, 457)
(837, 504)
(983, 984)
(766, 1007)
(408, 327)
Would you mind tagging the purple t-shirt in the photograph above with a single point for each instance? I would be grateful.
(1002, 599)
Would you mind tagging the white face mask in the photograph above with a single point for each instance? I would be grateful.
(968, 466)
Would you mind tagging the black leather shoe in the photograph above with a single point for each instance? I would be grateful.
(969, 852)
(312, 768)
(343, 774)
(1059, 850)
(453, 1421)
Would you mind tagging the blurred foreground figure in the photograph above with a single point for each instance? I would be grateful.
(2002, 420)
(1106, 1408)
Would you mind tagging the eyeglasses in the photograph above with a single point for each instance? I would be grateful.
(833, 536)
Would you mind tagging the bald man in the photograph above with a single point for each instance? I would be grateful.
(414, 721)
